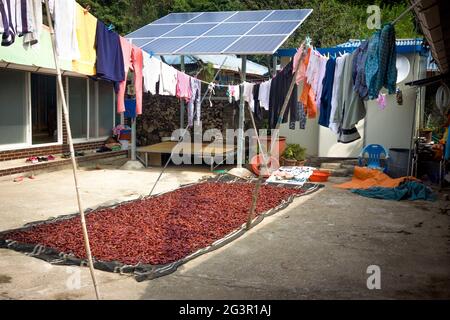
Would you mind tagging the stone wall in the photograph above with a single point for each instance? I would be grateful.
(161, 116)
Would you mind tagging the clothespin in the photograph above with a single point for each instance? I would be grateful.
(308, 41)
(87, 9)
(111, 27)
(151, 54)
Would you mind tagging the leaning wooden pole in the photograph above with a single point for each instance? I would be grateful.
(72, 152)
(277, 128)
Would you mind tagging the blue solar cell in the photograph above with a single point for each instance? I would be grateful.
(151, 30)
(139, 42)
(207, 45)
(177, 17)
(284, 15)
(212, 17)
(166, 45)
(190, 30)
(249, 16)
(255, 44)
(274, 28)
(231, 29)
(244, 32)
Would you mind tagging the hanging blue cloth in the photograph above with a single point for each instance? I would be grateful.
(130, 108)
(381, 69)
(327, 92)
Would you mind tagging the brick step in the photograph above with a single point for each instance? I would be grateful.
(29, 168)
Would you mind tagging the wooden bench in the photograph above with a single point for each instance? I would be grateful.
(153, 153)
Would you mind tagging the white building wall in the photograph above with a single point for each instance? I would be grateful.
(390, 127)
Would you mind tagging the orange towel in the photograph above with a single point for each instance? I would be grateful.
(365, 178)
(307, 97)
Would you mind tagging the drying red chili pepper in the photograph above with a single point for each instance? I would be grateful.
(161, 229)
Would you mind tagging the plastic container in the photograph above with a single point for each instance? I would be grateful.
(319, 176)
(398, 162)
(125, 144)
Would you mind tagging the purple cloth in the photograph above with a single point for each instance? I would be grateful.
(110, 65)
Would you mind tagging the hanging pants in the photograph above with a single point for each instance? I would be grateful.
(194, 102)
(132, 57)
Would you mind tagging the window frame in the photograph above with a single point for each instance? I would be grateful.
(88, 109)
(28, 144)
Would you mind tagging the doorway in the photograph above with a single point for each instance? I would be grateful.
(44, 110)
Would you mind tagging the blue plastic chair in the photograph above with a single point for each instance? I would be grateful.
(374, 154)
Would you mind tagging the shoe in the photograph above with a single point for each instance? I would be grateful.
(51, 158)
(33, 160)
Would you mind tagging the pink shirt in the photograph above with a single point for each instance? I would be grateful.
(184, 86)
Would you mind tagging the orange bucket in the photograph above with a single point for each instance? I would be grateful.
(319, 176)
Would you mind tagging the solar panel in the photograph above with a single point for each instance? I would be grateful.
(238, 32)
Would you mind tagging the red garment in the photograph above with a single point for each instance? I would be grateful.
(132, 58)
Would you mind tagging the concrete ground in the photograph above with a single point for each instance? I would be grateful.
(318, 248)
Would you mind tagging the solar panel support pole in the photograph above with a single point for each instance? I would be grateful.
(274, 65)
(241, 138)
(182, 105)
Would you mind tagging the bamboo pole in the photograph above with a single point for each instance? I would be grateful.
(72, 152)
(277, 127)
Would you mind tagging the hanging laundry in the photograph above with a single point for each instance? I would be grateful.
(257, 106)
(168, 80)
(31, 39)
(359, 72)
(337, 92)
(235, 92)
(302, 116)
(264, 94)
(184, 90)
(248, 95)
(351, 108)
(132, 58)
(196, 91)
(307, 97)
(64, 15)
(327, 93)
(86, 32)
(24, 16)
(110, 65)
(8, 21)
(151, 72)
(318, 85)
(381, 67)
(298, 58)
(278, 90)
(387, 76)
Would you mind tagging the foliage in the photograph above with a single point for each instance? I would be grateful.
(294, 152)
(332, 21)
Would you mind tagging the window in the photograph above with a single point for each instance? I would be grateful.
(13, 107)
(91, 108)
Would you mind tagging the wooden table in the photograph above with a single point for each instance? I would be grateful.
(153, 153)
